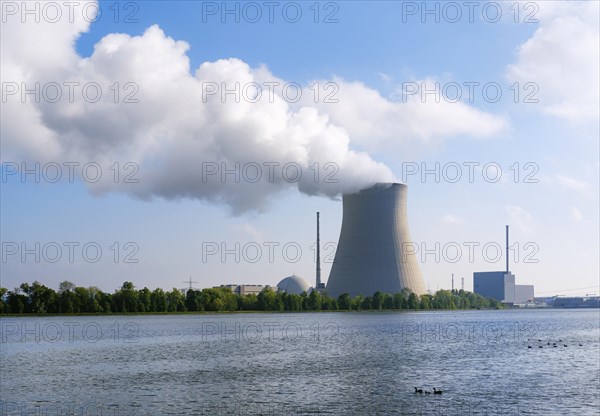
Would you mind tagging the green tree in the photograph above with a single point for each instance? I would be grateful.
(230, 302)
(443, 299)
(328, 304)
(377, 300)
(280, 298)
(213, 299)
(127, 298)
(193, 300)
(405, 292)
(16, 301)
(40, 299)
(388, 301)
(66, 297)
(82, 300)
(248, 302)
(314, 301)
(295, 302)
(266, 299)
(105, 301)
(158, 300)
(66, 286)
(356, 303)
(175, 301)
(144, 297)
(344, 301)
(398, 300)
(3, 307)
(413, 301)
(425, 302)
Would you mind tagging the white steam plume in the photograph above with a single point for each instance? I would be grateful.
(180, 134)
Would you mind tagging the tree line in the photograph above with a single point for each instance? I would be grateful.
(36, 298)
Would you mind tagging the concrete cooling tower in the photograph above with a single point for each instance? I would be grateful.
(370, 254)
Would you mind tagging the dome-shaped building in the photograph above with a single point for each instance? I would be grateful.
(294, 285)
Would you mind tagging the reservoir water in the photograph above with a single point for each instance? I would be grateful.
(486, 363)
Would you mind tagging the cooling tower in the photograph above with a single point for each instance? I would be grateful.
(371, 255)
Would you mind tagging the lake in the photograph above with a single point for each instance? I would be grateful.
(365, 363)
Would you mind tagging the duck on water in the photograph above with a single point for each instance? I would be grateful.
(420, 391)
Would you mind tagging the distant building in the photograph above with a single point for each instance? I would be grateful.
(246, 289)
(234, 288)
(497, 285)
(523, 294)
(577, 302)
(295, 285)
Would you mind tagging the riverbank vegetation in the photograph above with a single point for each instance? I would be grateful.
(36, 298)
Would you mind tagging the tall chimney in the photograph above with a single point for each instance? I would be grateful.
(318, 256)
(452, 282)
(507, 253)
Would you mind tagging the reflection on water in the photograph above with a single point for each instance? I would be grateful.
(486, 362)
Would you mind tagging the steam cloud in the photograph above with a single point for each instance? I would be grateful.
(177, 133)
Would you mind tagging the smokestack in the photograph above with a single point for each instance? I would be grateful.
(375, 251)
(318, 256)
(453, 282)
(462, 283)
(507, 253)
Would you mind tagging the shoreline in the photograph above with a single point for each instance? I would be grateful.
(389, 311)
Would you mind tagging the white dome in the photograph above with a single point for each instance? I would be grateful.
(294, 285)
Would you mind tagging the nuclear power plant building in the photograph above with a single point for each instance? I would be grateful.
(371, 254)
(498, 285)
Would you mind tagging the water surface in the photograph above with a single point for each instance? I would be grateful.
(324, 363)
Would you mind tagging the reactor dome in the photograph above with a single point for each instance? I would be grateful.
(294, 285)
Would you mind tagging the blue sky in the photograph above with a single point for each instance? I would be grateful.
(170, 216)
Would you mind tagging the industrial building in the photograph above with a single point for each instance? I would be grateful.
(291, 284)
(369, 256)
(576, 302)
(246, 289)
(523, 294)
(497, 285)
(501, 285)
(295, 285)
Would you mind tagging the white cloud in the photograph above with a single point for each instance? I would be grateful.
(173, 130)
(42, 52)
(575, 214)
(246, 231)
(521, 218)
(575, 185)
(562, 58)
(452, 220)
(385, 77)
(374, 121)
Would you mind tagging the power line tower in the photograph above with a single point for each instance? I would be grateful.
(190, 284)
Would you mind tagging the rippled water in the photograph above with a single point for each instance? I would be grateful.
(325, 363)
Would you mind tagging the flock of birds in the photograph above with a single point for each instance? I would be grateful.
(420, 391)
(548, 344)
